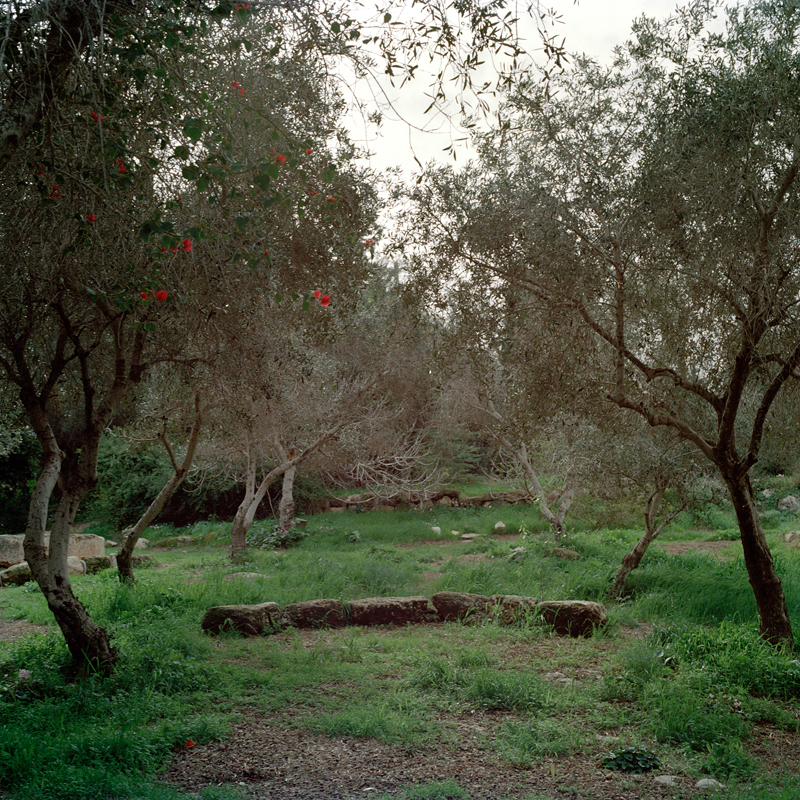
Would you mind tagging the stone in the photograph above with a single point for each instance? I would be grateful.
(767, 493)
(500, 526)
(792, 539)
(517, 554)
(81, 545)
(456, 533)
(11, 549)
(789, 503)
(445, 501)
(111, 543)
(16, 574)
(258, 620)
(96, 563)
(708, 783)
(564, 553)
(572, 617)
(76, 566)
(436, 529)
(389, 611)
(246, 576)
(141, 560)
(509, 609)
(316, 614)
(468, 537)
(452, 606)
(143, 544)
(666, 780)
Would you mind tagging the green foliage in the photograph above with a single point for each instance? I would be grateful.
(482, 688)
(733, 656)
(130, 479)
(266, 535)
(530, 742)
(729, 760)
(632, 759)
(19, 455)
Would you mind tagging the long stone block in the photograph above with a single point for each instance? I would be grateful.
(81, 545)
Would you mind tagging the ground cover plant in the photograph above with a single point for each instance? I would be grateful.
(678, 683)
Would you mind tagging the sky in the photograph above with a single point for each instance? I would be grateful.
(593, 27)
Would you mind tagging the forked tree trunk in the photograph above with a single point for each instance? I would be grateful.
(88, 643)
(651, 532)
(773, 614)
(125, 555)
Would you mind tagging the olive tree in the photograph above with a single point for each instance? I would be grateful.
(655, 203)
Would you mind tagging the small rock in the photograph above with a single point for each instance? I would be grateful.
(469, 536)
(500, 526)
(445, 501)
(554, 676)
(565, 553)
(792, 538)
(767, 493)
(436, 529)
(708, 783)
(456, 533)
(142, 544)
(110, 543)
(789, 503)
(666, 780)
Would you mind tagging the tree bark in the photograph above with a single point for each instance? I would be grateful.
(773, 614)
(125, 555)
(286, 508)
(632, 559)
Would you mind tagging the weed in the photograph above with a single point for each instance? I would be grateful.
(632, 759)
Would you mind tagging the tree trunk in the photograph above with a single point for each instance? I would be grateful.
(773, 614)
(631, 561)
(286, 508)
(125, 555)
(88, 643)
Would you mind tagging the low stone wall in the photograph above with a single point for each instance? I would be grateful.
(567, 618)
(81, 545)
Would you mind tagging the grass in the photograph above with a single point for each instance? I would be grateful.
(699, 690)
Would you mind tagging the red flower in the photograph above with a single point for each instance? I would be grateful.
(281, 159)
(161, 296)
(189, 743)
(241, 91)
(187, 245)
(54, 193)
(163, 249)
(143, 295)
(173, 249)
(309, 151)
(325, 300)
(95, 116)
(90, 217)
(235, 85)
(317, 294)
(331, 199)
(313, 192)
(266, 253)
(120, 166)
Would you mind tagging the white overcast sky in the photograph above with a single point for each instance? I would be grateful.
(593, 27)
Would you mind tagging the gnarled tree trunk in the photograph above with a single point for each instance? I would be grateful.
(125, 555)
(773, 613)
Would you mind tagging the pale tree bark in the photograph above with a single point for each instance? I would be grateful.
(651, 532)
(246, 512)
(533, 485)
(180, 471)
(286, 507)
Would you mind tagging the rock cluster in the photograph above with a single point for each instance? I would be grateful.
(567, 617)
